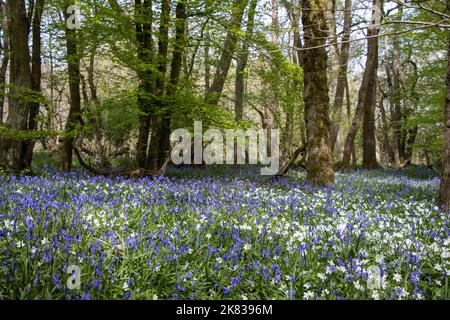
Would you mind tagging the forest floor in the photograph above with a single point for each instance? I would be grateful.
(224, 233)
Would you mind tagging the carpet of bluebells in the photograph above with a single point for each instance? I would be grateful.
(200, 234)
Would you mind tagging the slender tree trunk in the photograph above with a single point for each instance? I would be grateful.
(242, 63)
(444, 198)
(342, 74)
(36, 71)
(320, 156)
(74, 118)
(397, 115)
(96, 116)
(13, 152)
(294, 18)
(207, 66)
(4, 49)
(386, 143)
(216, 89)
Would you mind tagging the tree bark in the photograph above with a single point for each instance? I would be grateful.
(13, 152)
(320, 156)
(444, 198)
(369, 139)
(4, 47)
(36, 71)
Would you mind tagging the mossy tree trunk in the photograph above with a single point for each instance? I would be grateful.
(320, 157)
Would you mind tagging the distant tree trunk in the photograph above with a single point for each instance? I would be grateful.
(4, 49)
(320, 156)
(444, 198)
(36, 71)
(13, 152)
(397, 116)
(207, 66)
(411, 134)
(275, 25)
(369, 140)
(96, 117)
(342, 74)
(242, 63)
(74, 118)
(216, 89)
(386, 144)
(294, 18)
(297, 58)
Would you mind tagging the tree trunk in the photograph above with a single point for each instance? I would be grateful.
(242, 63)
(366, 102)
(320, 156)
(342, 74)
(294, 17)
(175, 74)
(216, 89)
(369, 140)
(74, 118)
(444, 198)
(160, 117)
(396, 98)
(13, 153)
(36, 71)
(386, 144)
(4, 48)
(96, 117)
(143, 25)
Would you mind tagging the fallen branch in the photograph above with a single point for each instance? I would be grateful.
(285, 169)
(130, 173)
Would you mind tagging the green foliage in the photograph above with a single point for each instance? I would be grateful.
(120, 117)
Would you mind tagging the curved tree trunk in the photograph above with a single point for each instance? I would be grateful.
(366, 103)
(229, 48)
